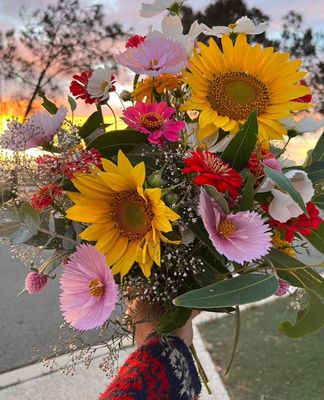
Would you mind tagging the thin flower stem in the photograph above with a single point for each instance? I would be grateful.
(58, 236)
(115, 118)
(200, 368)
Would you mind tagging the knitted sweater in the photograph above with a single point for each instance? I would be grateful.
(159, 370)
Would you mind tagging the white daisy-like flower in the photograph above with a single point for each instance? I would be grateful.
(149, 10)
(304, 125)
(101, 83)
(242, 25)
(283, 207)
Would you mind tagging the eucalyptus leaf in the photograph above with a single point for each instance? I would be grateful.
(284, 184)
(73, 104)
(318, 200)
(242, 289)
(30, 217)
(69, 234)
(236, 338)
(110, 143)
(315, 172)
(318, 152)
(246, 203)
(239, 150)
(173, 319)
(217, 196)
(21, 235)
(316, 238)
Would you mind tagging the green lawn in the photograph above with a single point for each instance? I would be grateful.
(267, 366)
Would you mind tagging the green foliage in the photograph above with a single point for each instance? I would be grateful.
(47, 104)
(243, 289)
(91, 124)
(218, 197)
(110, 143)
(318, 200)
(315, 172)
(239, 150)
(284, 183)
(317, 238)
(73, 104)
(172, 319)
(246, 203)
(318, 152)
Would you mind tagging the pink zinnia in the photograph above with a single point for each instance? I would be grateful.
(154, 120)
(240, 237)
(38, 130)
(89, 292)
(155, 56)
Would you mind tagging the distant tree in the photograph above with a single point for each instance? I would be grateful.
(56, 41)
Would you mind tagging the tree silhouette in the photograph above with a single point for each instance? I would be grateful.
(54, 42)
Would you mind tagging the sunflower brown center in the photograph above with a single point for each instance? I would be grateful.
(237, 94)
(151, 121)
(96, 288)
(132, 215)
(226, 228)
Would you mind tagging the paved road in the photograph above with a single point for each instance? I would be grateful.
(25, 321)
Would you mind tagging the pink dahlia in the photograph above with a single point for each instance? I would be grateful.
(155, 56)
(38, 130)
(35, 282)
(154, 120)
(240, 237)
(89, 292)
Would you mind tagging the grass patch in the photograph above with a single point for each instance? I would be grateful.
(267, 366)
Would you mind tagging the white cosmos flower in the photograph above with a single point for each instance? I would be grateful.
(305, 125)
(283, 207)
(172, 29)
(101, 83)
(242, 25)
(149, 10)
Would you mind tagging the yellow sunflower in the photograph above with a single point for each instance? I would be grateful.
(227, 86)
(127, 221)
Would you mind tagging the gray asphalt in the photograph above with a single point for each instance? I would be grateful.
(26, 321)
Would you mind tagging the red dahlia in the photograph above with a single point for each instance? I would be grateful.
(300, 224)
(45, 196)
(78, 87)
(134, 41)
(211, 170)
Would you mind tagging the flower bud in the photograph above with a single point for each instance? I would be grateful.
(154, 180)
(35, 282)
(170, 198)
(125, 95)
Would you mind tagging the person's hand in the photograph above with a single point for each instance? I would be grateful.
(146, 317)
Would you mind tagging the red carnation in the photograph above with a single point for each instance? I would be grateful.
(78, 87)
(45, 196)
(304, 99)
(134, 41)
(301, 224)
(213, 171)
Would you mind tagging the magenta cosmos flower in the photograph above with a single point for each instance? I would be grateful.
(240, 237)
(154, 120)
(38, 130)
(89, 292)
(154, 56)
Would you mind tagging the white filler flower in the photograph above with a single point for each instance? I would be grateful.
(242, 25)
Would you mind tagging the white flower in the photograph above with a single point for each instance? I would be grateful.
(242, 25)
(283, 207)
(149, 10)
(172, 29)
(101, 83)
(38, 130)
(304, 125)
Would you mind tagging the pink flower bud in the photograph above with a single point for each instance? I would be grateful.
(283, 288)
(35, 282)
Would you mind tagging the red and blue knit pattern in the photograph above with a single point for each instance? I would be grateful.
(159, 370)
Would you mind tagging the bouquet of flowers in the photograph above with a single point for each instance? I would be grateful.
(191, 203)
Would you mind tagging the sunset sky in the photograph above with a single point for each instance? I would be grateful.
(126, 12)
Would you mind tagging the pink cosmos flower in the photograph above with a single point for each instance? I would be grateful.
(154, 120)
(240, 237)
(155, 56)
(38, 130)
(89, 292)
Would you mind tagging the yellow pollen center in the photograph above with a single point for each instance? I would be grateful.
(104, 85)
(237, 94)
(232, 26)
(96, 288)
(154, 64)
(226, 228)
(152, 121)
(132, 215)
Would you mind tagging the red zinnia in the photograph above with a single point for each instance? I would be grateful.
(78, 87)
(304, 99)
(255, 161)
(300, 224)
(134, 41)
(213, 171)
(45, 196)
